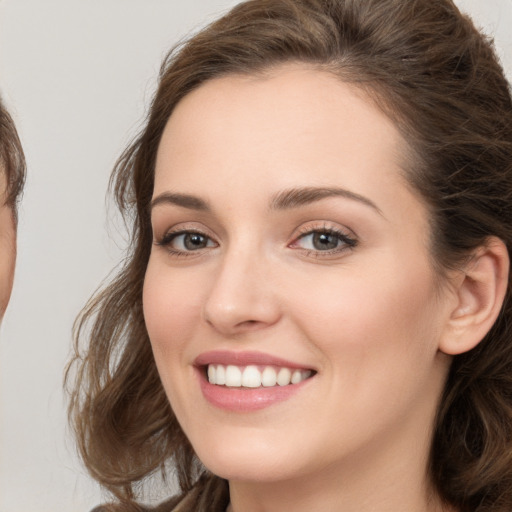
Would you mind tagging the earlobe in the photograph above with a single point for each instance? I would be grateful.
(480, 293)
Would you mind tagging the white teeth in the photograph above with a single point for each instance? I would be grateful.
(296, 377)
(212, 373)
(221, 375)
(284, 377)
(252, 377)
(233, 377)
(269, 377)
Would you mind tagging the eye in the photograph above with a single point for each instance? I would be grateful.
(324, 240)
(183, 242)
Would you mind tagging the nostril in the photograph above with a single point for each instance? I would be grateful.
(249, 324)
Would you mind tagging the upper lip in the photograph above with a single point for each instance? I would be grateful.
(226, 357)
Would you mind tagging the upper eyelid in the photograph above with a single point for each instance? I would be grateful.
(327, 226)
(347, 237)
(189, 232)
(184, 227)
(333, 231)
(172, 234)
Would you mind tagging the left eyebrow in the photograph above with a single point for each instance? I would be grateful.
(295, 197)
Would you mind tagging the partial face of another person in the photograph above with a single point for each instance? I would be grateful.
(290, 299)
(7, 247)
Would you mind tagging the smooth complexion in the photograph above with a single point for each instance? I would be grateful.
(7, 249)
(336, 279)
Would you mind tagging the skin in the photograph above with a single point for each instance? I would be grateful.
(7, 251)
(369, 319)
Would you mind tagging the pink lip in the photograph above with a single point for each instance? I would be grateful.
(244, 400)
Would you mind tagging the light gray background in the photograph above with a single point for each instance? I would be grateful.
(77, 76)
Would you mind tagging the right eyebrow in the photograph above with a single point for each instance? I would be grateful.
(184, 200)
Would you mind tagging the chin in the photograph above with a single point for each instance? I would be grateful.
(250, 459)
(240, 469)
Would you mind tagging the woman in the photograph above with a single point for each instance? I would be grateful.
(12, 178)
(314, 313)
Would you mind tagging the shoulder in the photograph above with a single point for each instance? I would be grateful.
(209, 494)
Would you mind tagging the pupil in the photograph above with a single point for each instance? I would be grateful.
(324, 241)
(195, 241)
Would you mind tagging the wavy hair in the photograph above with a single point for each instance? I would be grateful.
(438, 78)
(12, 159)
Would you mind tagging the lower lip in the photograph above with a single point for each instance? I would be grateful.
(246, 399)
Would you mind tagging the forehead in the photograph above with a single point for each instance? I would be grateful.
(292, 124)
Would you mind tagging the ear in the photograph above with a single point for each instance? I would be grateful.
(480, 291)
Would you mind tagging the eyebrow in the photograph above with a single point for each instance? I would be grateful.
(284, 200)
(295, 197)
(184, 200)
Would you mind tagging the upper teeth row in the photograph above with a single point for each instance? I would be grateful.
(252, 377)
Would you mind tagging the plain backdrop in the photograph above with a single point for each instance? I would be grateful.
(77, 76)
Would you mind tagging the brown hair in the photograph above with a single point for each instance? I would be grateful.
(12, 159)
(439, 80)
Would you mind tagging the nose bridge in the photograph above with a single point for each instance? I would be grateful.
(242, 294)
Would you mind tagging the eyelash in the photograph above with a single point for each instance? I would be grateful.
(168, 238)
(348, 242)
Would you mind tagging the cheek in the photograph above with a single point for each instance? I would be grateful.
(171, 305)
(377, 340)
(363, 317)
(7, 256)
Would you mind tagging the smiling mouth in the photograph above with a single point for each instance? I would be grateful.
(252, 376)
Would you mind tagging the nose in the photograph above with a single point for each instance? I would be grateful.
(243, 295)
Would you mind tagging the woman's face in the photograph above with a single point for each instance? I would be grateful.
(289, 246)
